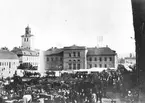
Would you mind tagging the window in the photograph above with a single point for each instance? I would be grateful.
(9, 64)
(70, 67)
(74, 54)
(69, 54)
(110, 59)
(78, 60)
(56, 58)
(52, 59)
(95, 59)
(78, 54)
(100, 59)
(69, 60)
(78, 66)
(74, 60)
(74, 66)
(90, 59)
(100, 65)
(60, 59)
(105, 66)
(105, 59)
(90, 65)
(95, 65)
(0, 63)
(47, 58)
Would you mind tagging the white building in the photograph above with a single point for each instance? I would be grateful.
(8, 63)
(130, 61)
(27, 55)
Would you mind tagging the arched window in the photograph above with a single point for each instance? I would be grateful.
(74, 66)
(78, 66)
(70, 66)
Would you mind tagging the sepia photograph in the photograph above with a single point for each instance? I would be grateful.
(72, 51)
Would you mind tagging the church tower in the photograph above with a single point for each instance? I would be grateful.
(27, 39)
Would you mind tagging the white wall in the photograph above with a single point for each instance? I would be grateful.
(5, 69)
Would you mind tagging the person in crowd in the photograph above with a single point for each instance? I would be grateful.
(27, 98)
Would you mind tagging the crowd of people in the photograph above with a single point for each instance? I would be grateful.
(79, 87)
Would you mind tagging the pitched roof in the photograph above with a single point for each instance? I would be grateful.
(100, 51)
(54, 51)
(5, 54)
(130, 58)
(26, 52)
(75, 47)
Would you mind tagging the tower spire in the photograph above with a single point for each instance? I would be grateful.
(27, 30)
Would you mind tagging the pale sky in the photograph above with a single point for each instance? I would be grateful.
(58, 23)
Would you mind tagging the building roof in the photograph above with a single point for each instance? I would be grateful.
(100, 51)
(54, 51)
(74, 47)
(25, 52)
(130, 58)
(5, 54)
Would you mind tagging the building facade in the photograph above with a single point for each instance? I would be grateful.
(130, 61)
(27, 56)
(8, 63)
(54, 59)
(74, 57)
(79, 57)
(102, 57)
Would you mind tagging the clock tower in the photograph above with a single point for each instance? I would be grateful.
(27, 39)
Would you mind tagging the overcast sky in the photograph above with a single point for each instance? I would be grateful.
(66, 22)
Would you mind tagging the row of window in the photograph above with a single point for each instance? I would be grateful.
(74, 66)
(26, 39)
(100, 58)
(30, 58)
(74, 54)
(3, 69)
(54, 59)
(100, 65)
(8, 64)
(74, 60)
(33, 63)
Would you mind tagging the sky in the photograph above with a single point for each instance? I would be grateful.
(59, 23)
